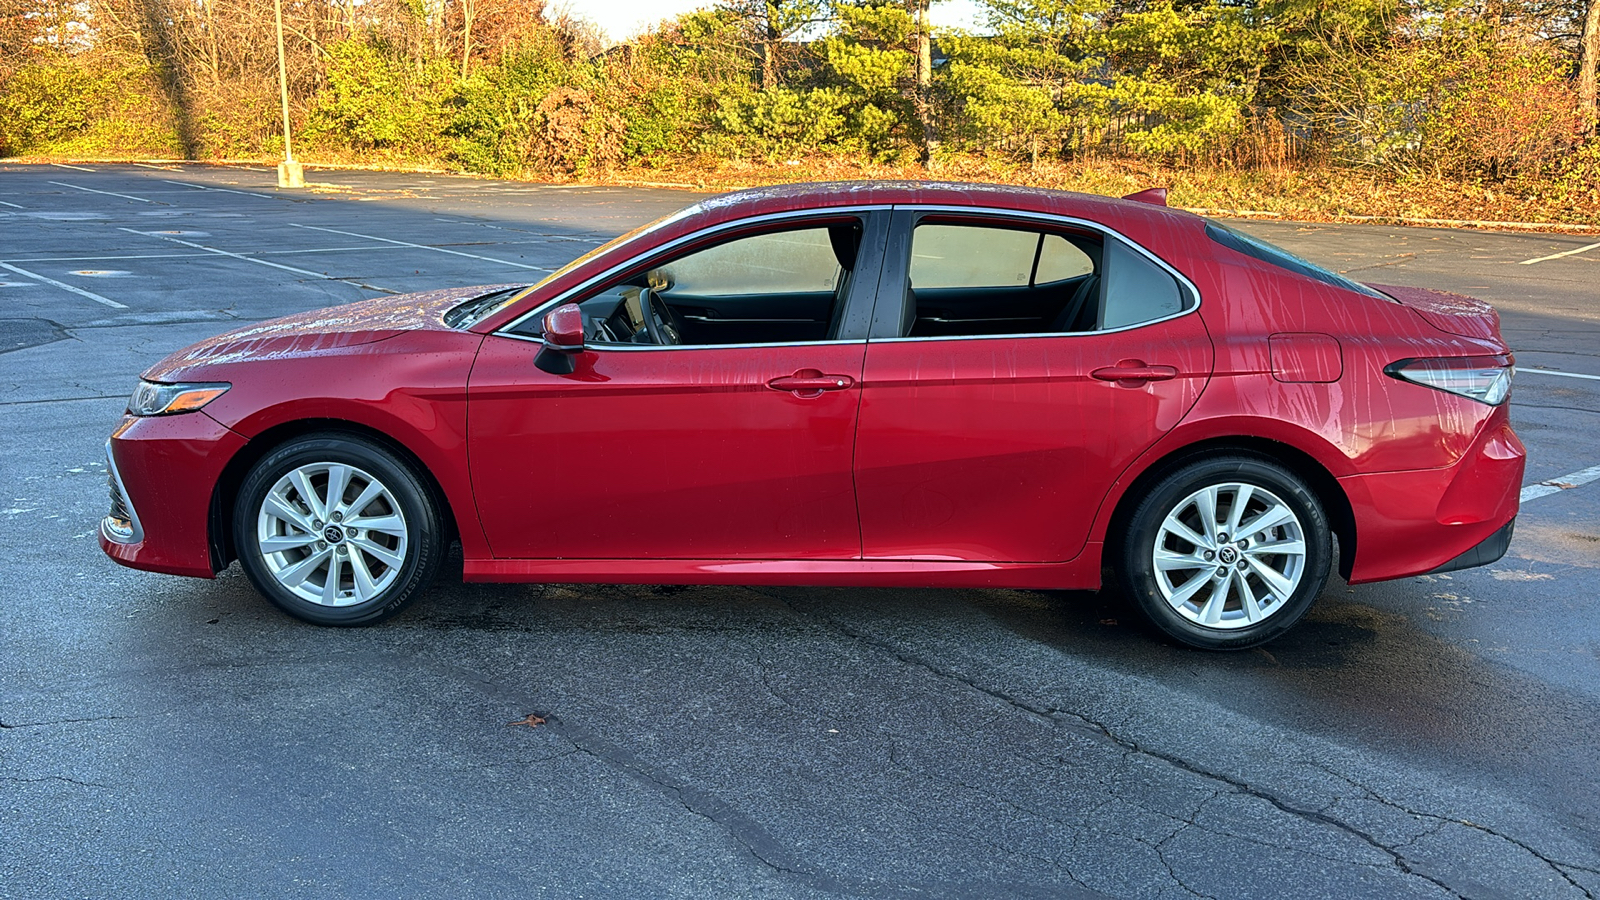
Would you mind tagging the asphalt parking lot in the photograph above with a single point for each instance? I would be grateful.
(1431, 737)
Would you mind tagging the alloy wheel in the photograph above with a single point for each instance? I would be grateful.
(1229, 556)
(332, 534)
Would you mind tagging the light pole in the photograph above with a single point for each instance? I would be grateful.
(290, 174)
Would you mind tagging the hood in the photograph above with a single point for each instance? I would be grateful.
(1452, 313)
(321, 330)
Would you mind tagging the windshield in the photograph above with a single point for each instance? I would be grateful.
(1251, 246)
(476, 310)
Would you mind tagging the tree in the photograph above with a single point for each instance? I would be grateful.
(769, 23)
(1588, 52)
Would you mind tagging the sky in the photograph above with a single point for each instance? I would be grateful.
(623, 18)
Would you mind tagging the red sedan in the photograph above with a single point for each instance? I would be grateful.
(852, 384)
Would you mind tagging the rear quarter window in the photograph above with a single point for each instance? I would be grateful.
(1256, 248)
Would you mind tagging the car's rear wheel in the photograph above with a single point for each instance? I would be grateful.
(336, 530)
(1226, 553)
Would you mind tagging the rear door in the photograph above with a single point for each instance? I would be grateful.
(978, 445)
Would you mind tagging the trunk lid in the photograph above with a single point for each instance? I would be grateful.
(1451, 313)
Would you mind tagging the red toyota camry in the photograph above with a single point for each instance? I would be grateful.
(904, 384)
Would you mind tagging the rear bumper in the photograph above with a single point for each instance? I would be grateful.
(1412, 523)
(1490, 550)
(166, 468)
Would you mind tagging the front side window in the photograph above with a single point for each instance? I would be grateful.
(982, 279)
(781, 286)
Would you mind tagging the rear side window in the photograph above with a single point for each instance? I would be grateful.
(977, 279)
(961, 256)
(1256, 248)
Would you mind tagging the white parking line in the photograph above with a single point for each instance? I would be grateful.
(503, 262)
(1523, 371)
(201, 187)
(1563, 483)
(261, 262)
(100, 258)
(93, 191)
(12, 205)
(74, 168)
(64, 286)
(1529, 262)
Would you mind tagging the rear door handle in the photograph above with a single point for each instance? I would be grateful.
(810, 383)
(1133, 372)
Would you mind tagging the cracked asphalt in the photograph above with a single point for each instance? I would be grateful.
(1431, 737)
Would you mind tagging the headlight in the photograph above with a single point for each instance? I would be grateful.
(152, 399)
(1486, 379)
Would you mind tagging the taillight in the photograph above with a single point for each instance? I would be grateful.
(1486, 379)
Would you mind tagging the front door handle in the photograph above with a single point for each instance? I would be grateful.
(1133, 373)
(808, 383)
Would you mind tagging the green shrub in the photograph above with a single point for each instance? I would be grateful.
(55, 99)
(378, 99)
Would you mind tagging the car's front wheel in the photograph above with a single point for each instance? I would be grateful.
(336, 530)
(1226, 553)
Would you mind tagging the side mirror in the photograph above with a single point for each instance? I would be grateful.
(563, 340)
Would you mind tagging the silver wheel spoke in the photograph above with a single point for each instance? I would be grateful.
(338, 480)
(1191, 587)
(1205, 503)
(1241, 499)
(287, 542)
(386, 524)
(1272, 518)
(1170, 562)
(1290, 548)
(1281, 586)
(276, 506)
(363, 500)
(353, 548)
(380, 553)
(330, 587)
(365, 588)
(295, 575)
(1212, 613)
(1176, 526)
(1247, 597)
(302, 484)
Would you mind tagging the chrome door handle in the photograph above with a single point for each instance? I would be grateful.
(1134, 372)
(810, 383)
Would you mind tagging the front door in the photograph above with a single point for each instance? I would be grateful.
(738, 447)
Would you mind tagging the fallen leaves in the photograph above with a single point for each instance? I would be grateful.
(532, 721)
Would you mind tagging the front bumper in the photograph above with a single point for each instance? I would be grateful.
(165, 469)
(1428, 520)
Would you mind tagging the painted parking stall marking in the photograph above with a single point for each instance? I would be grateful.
(1558, 373)
(201, 187)
(503, 262)
(1562, 483)
(260, 262)
(64, 286)
(77, 187)
(1529, 262)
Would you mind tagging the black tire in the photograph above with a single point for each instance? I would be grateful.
(398, 555)
(1214, 615)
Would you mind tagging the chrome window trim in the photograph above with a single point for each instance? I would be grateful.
(1053, 219)
(635, 348)
(133, 514)
(664, 249)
